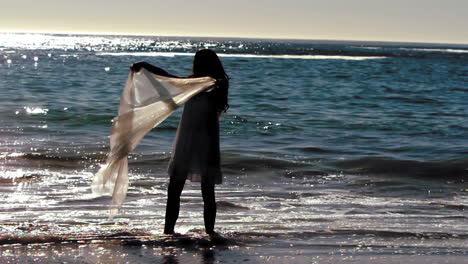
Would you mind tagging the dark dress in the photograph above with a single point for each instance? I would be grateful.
(196, 154)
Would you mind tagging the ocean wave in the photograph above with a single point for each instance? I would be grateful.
(445, 169)
(451, 170)
(355, 232)
(225, 205)
(459, 207)
(252, 164)
(370, 48)
(135, 238)
(413, 100)
(285, 56)
(436, 50)
(26, 177)
(448, 170)
(233, 164)
(448, 50)
(52, 157)
(138, 238)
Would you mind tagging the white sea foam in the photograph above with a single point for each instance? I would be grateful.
(372, 48)
(418, 49)
(437, 50)
(36, 110)
(4, 155)
(173, 54)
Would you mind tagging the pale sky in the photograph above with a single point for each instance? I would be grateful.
(440, 21)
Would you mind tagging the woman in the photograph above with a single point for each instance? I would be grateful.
(196, 154)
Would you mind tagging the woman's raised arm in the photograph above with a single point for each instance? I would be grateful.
(137, 66)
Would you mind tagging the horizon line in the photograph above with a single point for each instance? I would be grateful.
(220, 37)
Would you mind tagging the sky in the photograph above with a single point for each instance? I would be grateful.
(435, 21)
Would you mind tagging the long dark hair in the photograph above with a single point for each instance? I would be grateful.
(207, 63)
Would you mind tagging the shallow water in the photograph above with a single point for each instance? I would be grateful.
(360, 146)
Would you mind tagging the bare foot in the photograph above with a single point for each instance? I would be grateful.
(214, 235)
(173, 234)
(217, 239)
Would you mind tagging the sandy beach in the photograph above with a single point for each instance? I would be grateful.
(231, 248)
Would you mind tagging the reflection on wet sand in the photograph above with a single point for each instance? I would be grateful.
(119, 248)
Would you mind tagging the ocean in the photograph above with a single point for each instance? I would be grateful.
(332, 151)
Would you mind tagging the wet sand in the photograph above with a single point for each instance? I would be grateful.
(126, 247)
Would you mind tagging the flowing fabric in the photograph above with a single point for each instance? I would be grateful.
(147, 100)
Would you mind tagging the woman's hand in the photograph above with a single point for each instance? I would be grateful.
(137, 66)
(216, 85)
(220, 83)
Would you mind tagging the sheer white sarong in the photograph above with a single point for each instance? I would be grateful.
(147, 100)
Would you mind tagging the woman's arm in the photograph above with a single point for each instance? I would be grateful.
(136, 67)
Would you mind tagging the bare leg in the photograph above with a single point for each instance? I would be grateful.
(173, 204)
(209, 211)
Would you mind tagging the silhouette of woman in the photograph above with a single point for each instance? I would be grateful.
(196, 154)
